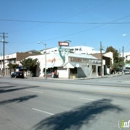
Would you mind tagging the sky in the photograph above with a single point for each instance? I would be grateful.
(82, 22)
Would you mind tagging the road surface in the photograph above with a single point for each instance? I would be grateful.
(53, 104)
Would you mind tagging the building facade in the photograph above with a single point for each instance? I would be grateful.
(74, 65)
(74, 49)
(14, 58)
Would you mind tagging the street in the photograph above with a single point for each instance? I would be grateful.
(54, 104)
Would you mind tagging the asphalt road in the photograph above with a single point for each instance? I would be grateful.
(53, 104)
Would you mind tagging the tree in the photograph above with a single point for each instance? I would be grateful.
(118, 61)
(30, 64)
(115, 53)
(13, 66)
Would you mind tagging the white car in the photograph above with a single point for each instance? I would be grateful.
(126, 71)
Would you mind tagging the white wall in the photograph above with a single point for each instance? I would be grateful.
(62, 72)
(109, 55)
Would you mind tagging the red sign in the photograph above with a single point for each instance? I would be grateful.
(63, 43)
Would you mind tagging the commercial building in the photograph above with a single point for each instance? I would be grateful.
(68, 62)
(74, 65)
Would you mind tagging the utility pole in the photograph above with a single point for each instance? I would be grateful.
(101, 56)
(3, 41)
(45, 61)
(123, 55)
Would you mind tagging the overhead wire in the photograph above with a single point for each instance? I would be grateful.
(50, 22)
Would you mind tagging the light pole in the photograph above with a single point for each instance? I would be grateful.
(45, 58)
(123, 50)
(101, 58)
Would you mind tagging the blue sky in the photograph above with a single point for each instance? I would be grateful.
(83, 22)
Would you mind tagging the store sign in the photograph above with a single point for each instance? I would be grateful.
(73, 59)
(63, 43)
(7, 57)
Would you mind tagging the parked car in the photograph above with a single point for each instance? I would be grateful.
(126, 71)
(17, 75)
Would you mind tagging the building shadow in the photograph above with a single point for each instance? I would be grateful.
(18, 100)
(74, 119)
(3, 90)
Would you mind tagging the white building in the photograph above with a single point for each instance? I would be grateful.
(75, 65)
(75, 49)
(14, 58)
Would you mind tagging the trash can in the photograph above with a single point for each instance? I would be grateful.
(73, 77)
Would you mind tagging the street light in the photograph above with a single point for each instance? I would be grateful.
(45, 57)
(123, 47)
(125, 34)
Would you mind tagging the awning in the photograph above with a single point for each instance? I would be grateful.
(49, 65)
(71, 65)
(52, 65)
(58, 64)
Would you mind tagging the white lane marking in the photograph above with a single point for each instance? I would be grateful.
(42, 111)
(86, 99)
(34, 91)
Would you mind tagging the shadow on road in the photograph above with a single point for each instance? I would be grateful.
(14, 89)
(7, 87)
(75, 118)
(4, 82)
(18, 100)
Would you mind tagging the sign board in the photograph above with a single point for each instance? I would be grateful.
(74, 59)
(63, 43)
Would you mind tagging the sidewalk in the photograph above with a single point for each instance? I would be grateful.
(84, 78)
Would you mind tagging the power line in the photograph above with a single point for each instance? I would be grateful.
(112, 22)
(50, 22)
(90, 28)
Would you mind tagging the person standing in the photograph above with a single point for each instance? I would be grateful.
(55, 74)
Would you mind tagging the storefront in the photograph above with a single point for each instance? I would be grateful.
(75, 65)
(81, 66)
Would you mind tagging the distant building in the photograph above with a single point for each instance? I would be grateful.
(107, 60)
(14, 58)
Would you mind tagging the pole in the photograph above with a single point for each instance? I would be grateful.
(3, 57)
(3, 41)
(101, 55)
(45, 62)
(123, 55)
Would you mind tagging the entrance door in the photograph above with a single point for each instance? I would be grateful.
(73, 72)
